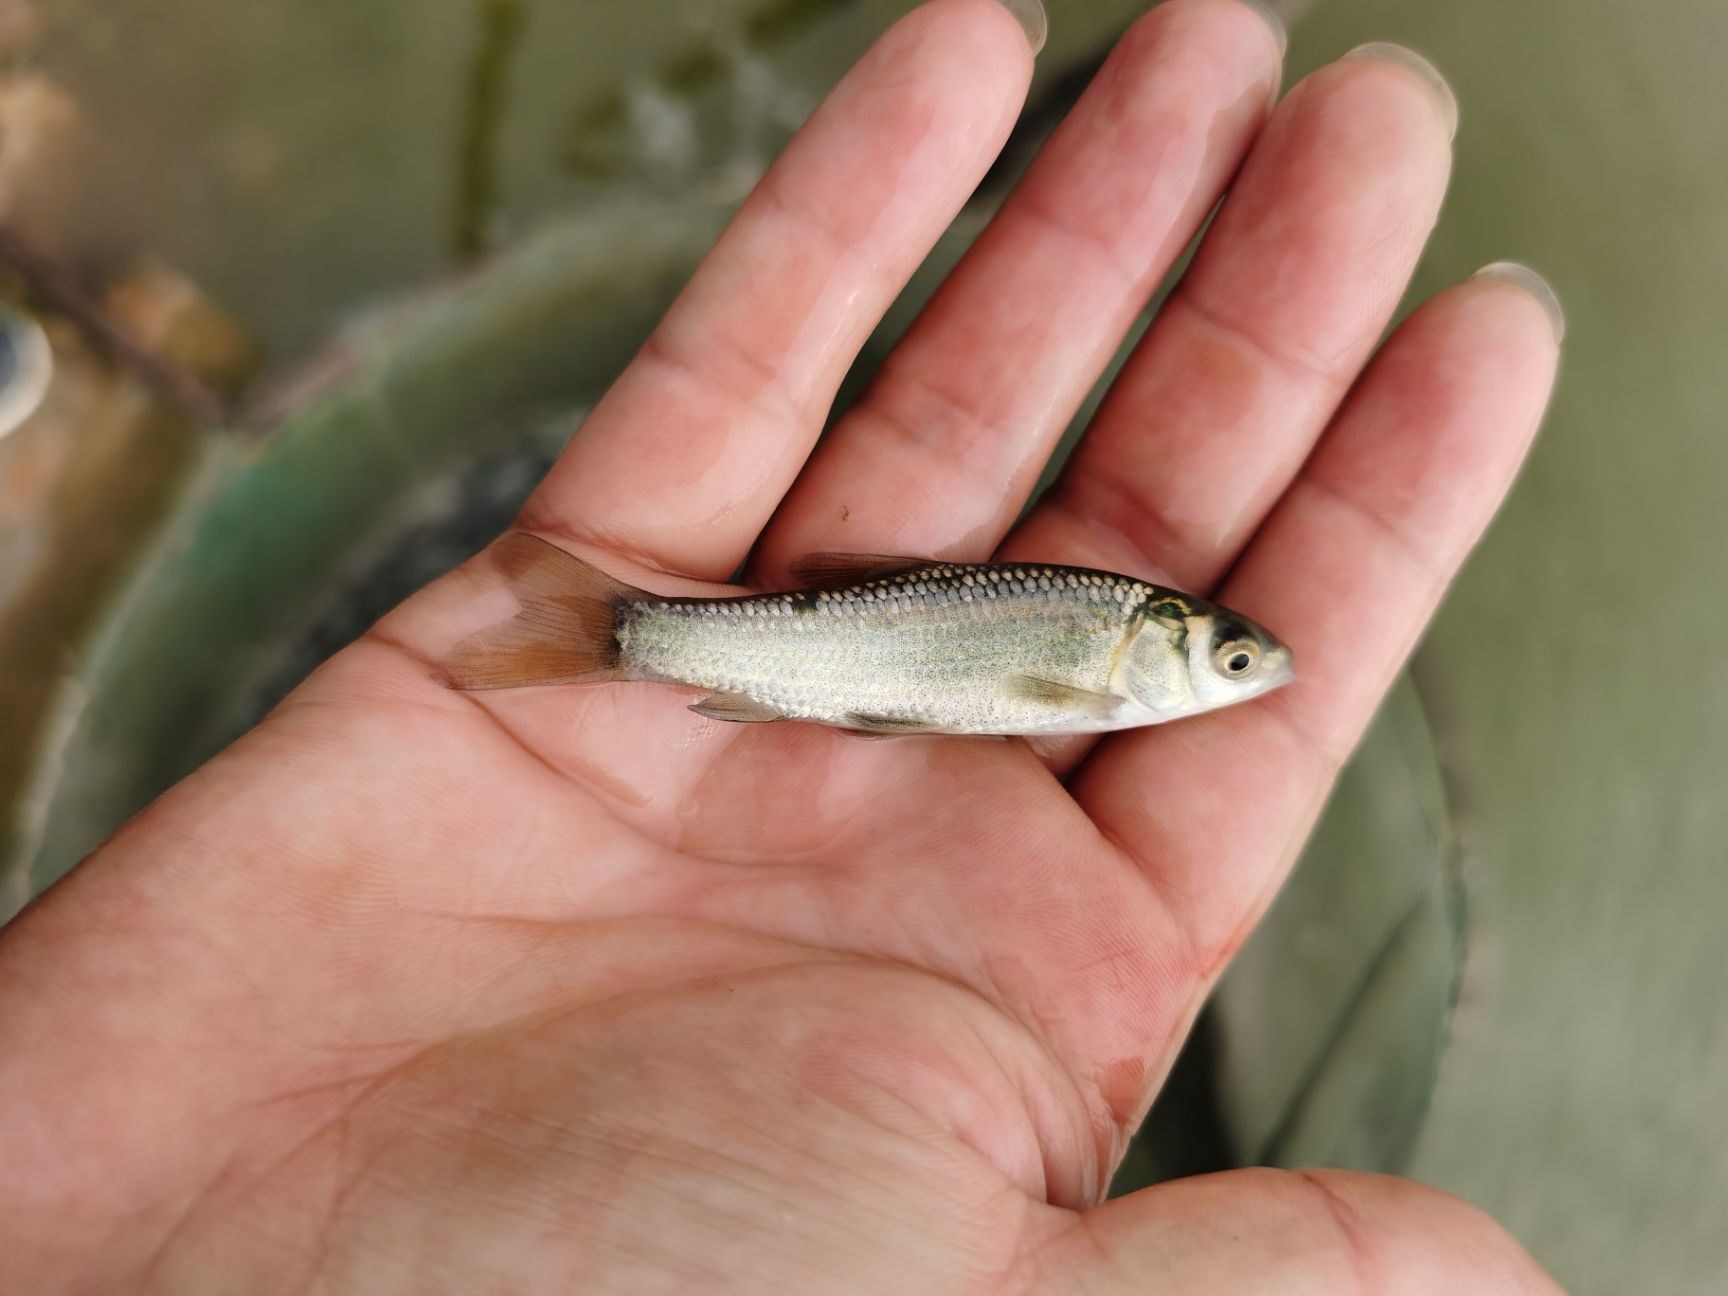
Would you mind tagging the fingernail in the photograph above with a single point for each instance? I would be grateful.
(1030, 15)
(1272, 20)
(1421, 68)
(1514, 272)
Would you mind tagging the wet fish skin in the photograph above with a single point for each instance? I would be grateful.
(1023, 648)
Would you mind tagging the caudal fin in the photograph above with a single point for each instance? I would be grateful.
(564, 634)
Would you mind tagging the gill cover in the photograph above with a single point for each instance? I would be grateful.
(1154, 670)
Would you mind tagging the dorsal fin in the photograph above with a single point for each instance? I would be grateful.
(834, 570)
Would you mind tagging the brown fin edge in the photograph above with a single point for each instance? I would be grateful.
(566, 632)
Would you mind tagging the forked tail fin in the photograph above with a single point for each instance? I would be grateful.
(565, 632)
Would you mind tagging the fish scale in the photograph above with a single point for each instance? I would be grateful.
(932, 646)
(902, 646)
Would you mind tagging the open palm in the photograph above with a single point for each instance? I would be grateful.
(572, 990)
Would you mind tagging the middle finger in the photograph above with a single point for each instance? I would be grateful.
(943, 450)
(1252, 354)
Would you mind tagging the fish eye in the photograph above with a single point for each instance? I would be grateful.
(1236, 658)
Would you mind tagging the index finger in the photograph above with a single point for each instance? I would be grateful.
(685, 458)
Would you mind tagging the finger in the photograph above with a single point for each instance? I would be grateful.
(943, 450)
(683, 460)
(1327, 1232)
(1248, 360)
(1348, 569)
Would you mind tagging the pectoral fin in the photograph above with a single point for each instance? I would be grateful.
(735, 707)
(1064, 697)
(1047, 747)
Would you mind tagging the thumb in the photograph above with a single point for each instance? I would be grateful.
(1327, 1232)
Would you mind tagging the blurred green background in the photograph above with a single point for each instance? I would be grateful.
(404, 243)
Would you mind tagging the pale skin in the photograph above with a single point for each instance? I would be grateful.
(571, 990)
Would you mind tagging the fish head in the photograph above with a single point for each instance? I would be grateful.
(1186, 655)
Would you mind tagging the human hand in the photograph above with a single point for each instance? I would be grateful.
(414, 990)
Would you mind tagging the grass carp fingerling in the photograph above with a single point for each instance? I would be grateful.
(884, 645)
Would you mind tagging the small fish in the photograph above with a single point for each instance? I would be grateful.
(881, 645)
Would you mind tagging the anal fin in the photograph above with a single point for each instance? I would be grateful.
(884, 726)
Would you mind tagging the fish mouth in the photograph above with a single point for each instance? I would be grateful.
(1279, 666)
